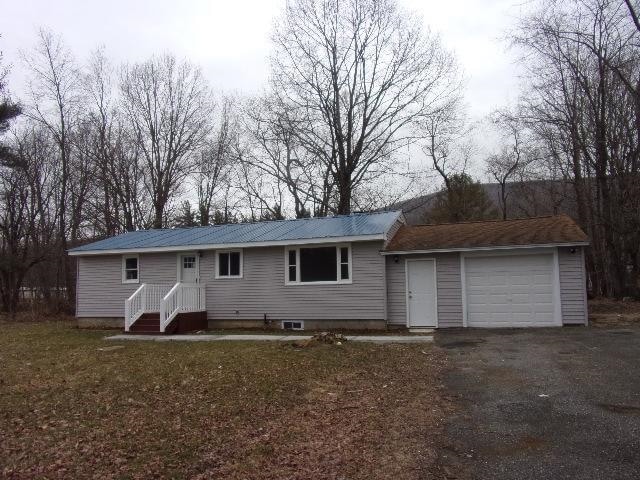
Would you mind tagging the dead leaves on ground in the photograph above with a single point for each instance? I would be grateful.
(242, 410)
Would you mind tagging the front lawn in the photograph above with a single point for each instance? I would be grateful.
(71, 407)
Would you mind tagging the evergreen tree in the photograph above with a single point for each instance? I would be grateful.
(8, 111)
(186, 216)
(464, 200)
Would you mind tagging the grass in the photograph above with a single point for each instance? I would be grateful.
(70, 409)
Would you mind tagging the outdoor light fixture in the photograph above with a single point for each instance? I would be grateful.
(396, 258)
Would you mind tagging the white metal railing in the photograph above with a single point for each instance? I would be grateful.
(147, 298)
(182, 298)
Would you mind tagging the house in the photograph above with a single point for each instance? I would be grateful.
(360, 271)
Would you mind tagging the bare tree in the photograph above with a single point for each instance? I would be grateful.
(121, 202)
(168, 105)
(356, 74)
(27, 219)
(270, 147)
(578, 53)
(216, 160)
(515, 155)
(54, 103)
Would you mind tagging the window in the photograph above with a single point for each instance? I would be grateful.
(292, 325)
(293, 265)
(130, 269)
(189, 262)
(229, 264)
(318, 264)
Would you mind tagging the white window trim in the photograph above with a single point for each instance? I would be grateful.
(179, 265)
(217, 269)
(339, 281)
(124, 273)
(301, 322)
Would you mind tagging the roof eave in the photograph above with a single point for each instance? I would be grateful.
(481, 248)
(182, 248)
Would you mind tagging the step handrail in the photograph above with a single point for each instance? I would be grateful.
(182, 298)
(147, 298)
(134, 307)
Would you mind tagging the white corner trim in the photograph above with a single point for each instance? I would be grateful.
(483, 249)
(584, 288)
(463, 289)
(230, 246)
(557, 297)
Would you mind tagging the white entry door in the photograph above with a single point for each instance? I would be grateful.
(421, 293)
(188, 268)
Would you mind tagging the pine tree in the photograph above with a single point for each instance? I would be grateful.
(186, 216)
(464, 200)
(8, 111)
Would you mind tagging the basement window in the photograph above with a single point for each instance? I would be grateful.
(292, 325)
(130, 269)
(319, 265)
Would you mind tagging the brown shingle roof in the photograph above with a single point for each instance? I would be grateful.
(496, 233)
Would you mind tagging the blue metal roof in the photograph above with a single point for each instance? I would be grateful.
(355, 225)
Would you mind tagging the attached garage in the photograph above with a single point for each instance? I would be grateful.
(504, 273)
(511, 291)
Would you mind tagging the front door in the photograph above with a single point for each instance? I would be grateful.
(188, 268)
(421, 293)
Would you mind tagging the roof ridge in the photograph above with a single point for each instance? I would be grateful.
(493, 220)
(254, 222)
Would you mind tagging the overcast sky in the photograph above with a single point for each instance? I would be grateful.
(229, 39)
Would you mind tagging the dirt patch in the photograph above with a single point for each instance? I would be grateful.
(608, 320)
(609, 305)
(605, 312)
(461, 343)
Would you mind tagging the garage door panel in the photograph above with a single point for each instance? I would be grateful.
(542, 279)
(510, 290)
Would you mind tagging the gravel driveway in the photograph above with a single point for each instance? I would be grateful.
(549, 403)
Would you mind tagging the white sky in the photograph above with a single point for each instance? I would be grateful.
(229, 39)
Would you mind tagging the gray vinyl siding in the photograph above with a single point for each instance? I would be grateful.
(260, 291)
(448, 283)
(573, 286)
(100, 291)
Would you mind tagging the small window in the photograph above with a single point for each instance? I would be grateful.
(345, 274)
(318, 264)
(130, 269)
(293, 265)
(189, 262)
(229, 264)
(292, 325)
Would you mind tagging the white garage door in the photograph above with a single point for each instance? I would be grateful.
(510, 291)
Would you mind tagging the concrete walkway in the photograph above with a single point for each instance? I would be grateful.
(272, 338)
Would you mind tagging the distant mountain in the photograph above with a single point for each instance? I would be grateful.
(524, 199)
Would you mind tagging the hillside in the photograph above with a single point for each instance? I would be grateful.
(525, 199)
